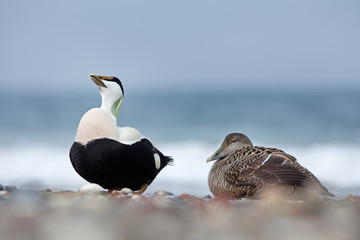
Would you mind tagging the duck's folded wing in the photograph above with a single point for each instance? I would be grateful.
(274, 168)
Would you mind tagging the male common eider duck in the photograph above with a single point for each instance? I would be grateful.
(243, 170)
(114, 157)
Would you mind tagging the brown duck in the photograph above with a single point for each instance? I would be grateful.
(243, 170)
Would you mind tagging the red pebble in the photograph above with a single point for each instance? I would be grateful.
(185, 196)
(354, 198)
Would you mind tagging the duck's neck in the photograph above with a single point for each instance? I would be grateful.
(108, 111)
(110, 106)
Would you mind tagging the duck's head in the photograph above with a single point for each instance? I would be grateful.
(231, 143)
(112, 93)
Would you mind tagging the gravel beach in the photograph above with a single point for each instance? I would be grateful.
(161, 215)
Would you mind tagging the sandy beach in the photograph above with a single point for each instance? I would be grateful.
(75, 215)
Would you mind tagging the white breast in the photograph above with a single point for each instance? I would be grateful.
(95, 124)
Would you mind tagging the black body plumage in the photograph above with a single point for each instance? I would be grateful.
(114, 165)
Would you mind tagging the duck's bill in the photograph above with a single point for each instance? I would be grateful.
(213, 157)
(98, 80)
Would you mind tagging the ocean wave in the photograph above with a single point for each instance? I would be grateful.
(48, 166)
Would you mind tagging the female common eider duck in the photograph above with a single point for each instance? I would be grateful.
(243, 170)
(114, 157)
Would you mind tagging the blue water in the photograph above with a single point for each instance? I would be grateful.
(274, 117)
(321, 128)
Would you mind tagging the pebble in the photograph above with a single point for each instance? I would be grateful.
(91, 188)
(44, 215)
(126, 191)
(354, 198)
(185, 196)
(138, 197)
(163, 194)
(3, 193)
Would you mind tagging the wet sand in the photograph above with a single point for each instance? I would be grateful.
(161, 215)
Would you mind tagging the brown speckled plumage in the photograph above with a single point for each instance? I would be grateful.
(244, 170)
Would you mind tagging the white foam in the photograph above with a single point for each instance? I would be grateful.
(333, 164)
(41, 166)
(190, 169)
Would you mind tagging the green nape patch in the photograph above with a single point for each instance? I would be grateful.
(115, 108)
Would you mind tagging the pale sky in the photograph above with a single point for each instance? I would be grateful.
(179, 44)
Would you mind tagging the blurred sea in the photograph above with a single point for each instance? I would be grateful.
(320, 128)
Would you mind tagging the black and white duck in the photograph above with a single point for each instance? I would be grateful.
(111, 156)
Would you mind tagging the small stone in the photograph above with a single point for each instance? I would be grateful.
(354, 198)
(185, 196)
(138, 197)
(3, 193)
(91, 188)
(113, 192)
(126, 191)
(45, 190)
(163, 194)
